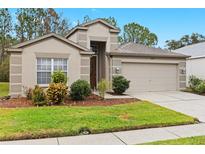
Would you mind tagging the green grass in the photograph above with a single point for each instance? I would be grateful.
(197, 140)
(4, 89)
(38, 122)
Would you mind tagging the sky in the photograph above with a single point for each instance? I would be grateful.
(165, 23)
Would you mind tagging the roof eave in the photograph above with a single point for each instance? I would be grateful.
(86, 53)
(14, 50)
(75, 29)
(47, 36)
(114, 30)
(146, 55)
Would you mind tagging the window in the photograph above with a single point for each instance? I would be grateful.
(46, 66)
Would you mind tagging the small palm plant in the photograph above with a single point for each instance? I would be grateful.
(102, 87)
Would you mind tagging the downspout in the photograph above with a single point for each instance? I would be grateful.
(110, 71)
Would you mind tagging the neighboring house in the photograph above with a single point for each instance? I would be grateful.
(195, 64)
(91, 52)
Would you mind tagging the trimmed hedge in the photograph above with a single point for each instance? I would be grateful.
(120, 84)
(79, 90)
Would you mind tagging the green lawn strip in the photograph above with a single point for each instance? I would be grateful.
(24, 123)
(196, 140)
(4, 89)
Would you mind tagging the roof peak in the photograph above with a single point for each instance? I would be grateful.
(84, 25)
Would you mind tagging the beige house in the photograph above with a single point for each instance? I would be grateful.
(91, 52)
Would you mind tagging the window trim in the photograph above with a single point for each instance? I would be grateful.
(52, 69)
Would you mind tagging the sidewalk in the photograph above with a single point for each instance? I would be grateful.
(121, 138)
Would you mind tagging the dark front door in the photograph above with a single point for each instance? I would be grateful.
(93, 72)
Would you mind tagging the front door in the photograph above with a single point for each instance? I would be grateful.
(93, 66)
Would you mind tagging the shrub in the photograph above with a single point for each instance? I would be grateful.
(79, 90)
(200, 88)
(120, 84)
(38, 96)
(194, 81)
(28, 92)
(56, 93)
(102, 87)
(4, 70)
(59, 77)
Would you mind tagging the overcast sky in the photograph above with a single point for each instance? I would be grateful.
(166, 23)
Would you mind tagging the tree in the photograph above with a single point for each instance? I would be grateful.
(184, 41)
(86, 19)
(112, 21)
(32, 23)
(5, 31)
(25, 25)
(172, 44)
(136, 33)
(4, 70)
(55, 23)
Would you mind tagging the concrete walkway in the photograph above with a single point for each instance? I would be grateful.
(121, 138)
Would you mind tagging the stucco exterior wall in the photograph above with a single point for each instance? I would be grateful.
(100, 32)
(97, 32)
(85, 68)
(181, 66)
(50, 48)
(195, 67)
(73, 37)
(15, 87)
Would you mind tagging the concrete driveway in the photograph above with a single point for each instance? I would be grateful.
(187, 103)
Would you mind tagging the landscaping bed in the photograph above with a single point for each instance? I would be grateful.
(189, 90)
(14, 103)
(196, 140)
(95, 100)
(92, 100)
(56, 121)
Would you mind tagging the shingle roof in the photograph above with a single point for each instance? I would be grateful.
(133, 49)
(195, 50)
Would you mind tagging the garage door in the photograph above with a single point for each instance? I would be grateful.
(150, 77)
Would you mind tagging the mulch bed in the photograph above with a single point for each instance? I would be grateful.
(18, 102)
(95, 100)
(92, 100)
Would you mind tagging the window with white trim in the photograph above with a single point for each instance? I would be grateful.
(46, 66)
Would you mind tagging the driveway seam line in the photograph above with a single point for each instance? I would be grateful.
(57, 141)
(181, 99)
(119, 138)
(173, 133)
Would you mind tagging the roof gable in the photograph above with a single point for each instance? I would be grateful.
(86, 25)
(99, 21)
(51, 35)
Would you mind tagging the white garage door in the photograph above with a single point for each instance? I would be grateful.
(150, 77)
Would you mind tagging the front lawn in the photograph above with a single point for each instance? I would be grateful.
(197, 140)
(38, 122)
(4, 89)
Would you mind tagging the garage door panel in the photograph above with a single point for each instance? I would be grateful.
(150, 77)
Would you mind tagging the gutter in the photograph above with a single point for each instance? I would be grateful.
(86, 53)
(146, 55)
(17, 50)
(198, 57)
